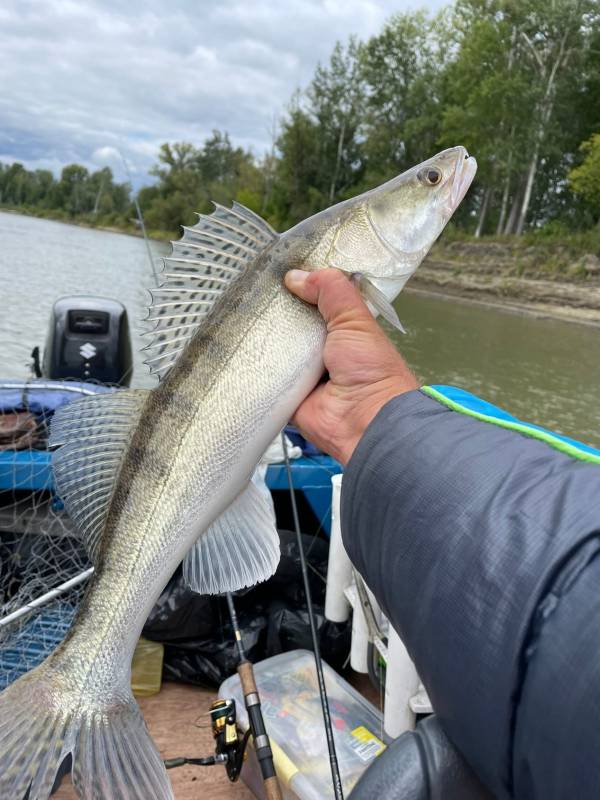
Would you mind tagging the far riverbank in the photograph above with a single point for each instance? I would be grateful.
(551, 281)
(127, 228)
(557, 278)
(541, 370)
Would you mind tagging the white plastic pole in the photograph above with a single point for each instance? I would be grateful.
(359, 648)
(401, 683)
(45, 598)
(339, 568)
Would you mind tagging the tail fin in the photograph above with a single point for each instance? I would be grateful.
(114, 757)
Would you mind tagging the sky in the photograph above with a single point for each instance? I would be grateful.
(82, 80)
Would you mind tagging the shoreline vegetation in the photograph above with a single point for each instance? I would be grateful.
(544, 276)
(128, 227)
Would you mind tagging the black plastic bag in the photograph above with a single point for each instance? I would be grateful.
(197, 633)
(289, 630)
(181, 614)
(207, 662)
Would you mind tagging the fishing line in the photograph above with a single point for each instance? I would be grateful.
(333, 761)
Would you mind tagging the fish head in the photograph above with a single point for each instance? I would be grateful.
(385, 233)
(409, 212)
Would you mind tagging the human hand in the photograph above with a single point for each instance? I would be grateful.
(365, 369)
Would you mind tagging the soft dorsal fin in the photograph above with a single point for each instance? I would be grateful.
(92, 436)
(202, 265)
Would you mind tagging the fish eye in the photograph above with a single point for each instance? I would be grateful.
(430, 176)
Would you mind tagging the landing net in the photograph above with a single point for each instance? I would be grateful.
(43, 565)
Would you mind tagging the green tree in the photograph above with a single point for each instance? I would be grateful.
(228, 173)
(512, 98)
(403, 71)
(178, 193)
(336, 99)
(487, 103)
(42, 184)
(72, 192)
(15, 184)
(320, 150)
(298, 190)
(189, 178)
(77, 193)
(584, 180)
(556, 38)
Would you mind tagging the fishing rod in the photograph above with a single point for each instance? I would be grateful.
(262, 745)
(333, 761)
(140, 217)
(230, 744)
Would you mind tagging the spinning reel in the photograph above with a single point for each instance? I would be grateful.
(230, 745)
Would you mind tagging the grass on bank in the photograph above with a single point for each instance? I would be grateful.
(552, 252)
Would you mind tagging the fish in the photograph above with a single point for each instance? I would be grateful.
(155, 477)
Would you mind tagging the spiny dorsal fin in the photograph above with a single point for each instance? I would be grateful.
(202, 265)
(92, 435)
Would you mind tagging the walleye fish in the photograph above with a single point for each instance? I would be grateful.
(154, 477)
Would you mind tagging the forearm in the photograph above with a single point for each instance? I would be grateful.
(461, 529)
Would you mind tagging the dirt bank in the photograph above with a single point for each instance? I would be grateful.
(543, 281)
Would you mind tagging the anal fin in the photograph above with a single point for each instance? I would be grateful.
(239, 549)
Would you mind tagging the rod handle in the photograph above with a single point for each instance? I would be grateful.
(246, 674)
(272, 789)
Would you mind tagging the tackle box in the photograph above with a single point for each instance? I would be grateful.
(289, 694)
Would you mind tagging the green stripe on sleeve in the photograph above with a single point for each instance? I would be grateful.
(518, 427)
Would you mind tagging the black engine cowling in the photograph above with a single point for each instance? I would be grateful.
(88, 339)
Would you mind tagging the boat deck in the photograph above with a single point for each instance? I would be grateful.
(178, 720)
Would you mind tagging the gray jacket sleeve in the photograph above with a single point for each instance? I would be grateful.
(481, 545)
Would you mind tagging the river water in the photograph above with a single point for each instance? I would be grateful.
(544, 371)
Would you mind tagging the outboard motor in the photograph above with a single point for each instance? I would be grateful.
(88, 339)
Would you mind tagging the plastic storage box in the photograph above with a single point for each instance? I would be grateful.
(293, 717)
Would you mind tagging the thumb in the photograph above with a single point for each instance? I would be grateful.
(331, 291)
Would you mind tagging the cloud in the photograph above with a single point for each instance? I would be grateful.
(84, 81)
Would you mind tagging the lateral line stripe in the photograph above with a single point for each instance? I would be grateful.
(518, 427)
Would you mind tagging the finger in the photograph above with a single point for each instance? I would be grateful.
(330, 290)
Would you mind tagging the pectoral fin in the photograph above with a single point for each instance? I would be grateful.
(241, 547)
(377, 301)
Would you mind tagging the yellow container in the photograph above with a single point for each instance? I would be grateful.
(146, 668)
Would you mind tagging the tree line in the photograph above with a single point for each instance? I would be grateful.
(77, 193)
(515, 81)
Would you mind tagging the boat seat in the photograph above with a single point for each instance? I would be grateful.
(420, 765)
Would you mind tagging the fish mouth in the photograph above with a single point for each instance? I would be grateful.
(464, 172)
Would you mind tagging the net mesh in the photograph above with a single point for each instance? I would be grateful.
(39, 550)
